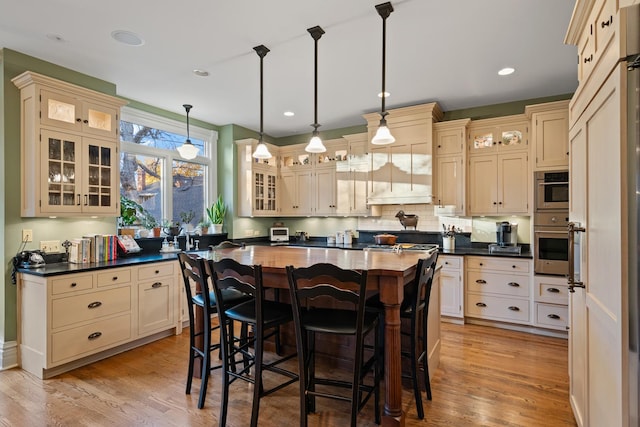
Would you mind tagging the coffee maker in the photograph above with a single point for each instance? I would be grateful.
(506, 234)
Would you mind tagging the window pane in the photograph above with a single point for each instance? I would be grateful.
(188, 191)
(144, 135)
(140, 181)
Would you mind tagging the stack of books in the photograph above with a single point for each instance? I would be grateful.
(93, 248)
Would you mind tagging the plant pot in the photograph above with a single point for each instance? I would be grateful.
(217, 228)
(204, 230)
(156, 231)
(385, 239)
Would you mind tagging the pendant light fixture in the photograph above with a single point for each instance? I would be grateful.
(383, 135)
(315, 144)
(188, 150)
(262, 152)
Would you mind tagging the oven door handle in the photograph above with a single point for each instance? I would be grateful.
(549, 232)
(573, 228)
(554, 183)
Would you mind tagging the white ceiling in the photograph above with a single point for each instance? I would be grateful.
(447, 51)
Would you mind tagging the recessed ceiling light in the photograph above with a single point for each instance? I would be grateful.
(289, 113)
(127, 37)
(506, 71)
(56, 38)
(386, 94)
(200, 73)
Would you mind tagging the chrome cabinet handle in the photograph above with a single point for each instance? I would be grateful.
(571, 278)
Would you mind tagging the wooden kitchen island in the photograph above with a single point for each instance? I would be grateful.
(388, 272)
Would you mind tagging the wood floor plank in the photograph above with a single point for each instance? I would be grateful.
(487, 377)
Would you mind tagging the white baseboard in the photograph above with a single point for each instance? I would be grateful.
(8, 355)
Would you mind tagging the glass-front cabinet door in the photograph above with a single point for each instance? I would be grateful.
(60, 189)
(100, 178)
(80, 175)
(67, 112)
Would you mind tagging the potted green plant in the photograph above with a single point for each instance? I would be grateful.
(216, 214)
(150, 223)
(204, 225)
(129, 214)
(186, 217)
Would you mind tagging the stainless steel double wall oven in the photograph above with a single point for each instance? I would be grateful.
(551, 216)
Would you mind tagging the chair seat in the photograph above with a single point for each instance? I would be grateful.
(230, 296)
(334, 321)
(273, 313)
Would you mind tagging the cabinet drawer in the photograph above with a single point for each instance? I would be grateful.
(497, 283)
(83, 340)
(452, 262)
(155, 270)
(77, 282)
(501, 264)
(79, 308)
(498, 308)
(551, 292)
(114, 276)
(552, 316)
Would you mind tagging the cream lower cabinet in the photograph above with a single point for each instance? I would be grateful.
(71, 320)
(451, 286)
(551, 299)
(498, 289)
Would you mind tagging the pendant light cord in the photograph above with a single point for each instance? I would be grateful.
(384, 10)
(262, 51)
(316, 32)
(188, 108)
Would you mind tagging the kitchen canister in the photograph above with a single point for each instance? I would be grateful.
(348, 237)
(331, 240)
(448, 243)
(339, 237)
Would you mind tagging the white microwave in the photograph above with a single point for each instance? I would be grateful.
(279, 234)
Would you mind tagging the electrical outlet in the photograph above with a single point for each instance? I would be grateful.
(50, 246)
(27, 235)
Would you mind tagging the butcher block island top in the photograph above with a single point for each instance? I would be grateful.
(388, 272)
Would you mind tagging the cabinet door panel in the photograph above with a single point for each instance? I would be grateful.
(552, 139)
(155, 305)
(59, 110)
(60, 187)
(450, 182)
(325, 193)
(101, 180)
(483, 197)
(287, 193)
(512, 183)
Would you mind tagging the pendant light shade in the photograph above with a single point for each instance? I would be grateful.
(188, 150)
(261, 152)
(315, 144)
(383, 135)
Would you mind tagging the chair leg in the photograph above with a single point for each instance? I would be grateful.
(425, 356)
(311, 384)
(224, 393)
(206, 365)
(415, 355)
(257, 385)
(191, 359)
(377, 371)
(302, 378)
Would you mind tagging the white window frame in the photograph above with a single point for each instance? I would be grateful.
(209, 158)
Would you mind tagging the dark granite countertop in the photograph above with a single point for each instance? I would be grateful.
(55, 269)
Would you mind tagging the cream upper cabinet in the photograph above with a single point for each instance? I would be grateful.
(69, 112)
(402, 172)
(500, 134)
(450, 174)
(550, 134)
(498, 184)
(69, 139)
(353, 176)
(257, 181)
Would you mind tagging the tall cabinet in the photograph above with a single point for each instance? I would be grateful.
(598, 313)
(69, 144)
(257, 181)
(450, 175)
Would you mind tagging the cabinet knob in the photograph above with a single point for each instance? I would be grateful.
(446, 262)
(74, 284)
(85, 121)
(157, 271)
(114, 278)
(481, 264)
(495, 203)
(78, 120)
(514, 308)
(481, 304)
(513, 266)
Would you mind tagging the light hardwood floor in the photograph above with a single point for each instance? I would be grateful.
(487, 377)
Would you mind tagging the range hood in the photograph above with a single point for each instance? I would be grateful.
(402, 172)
